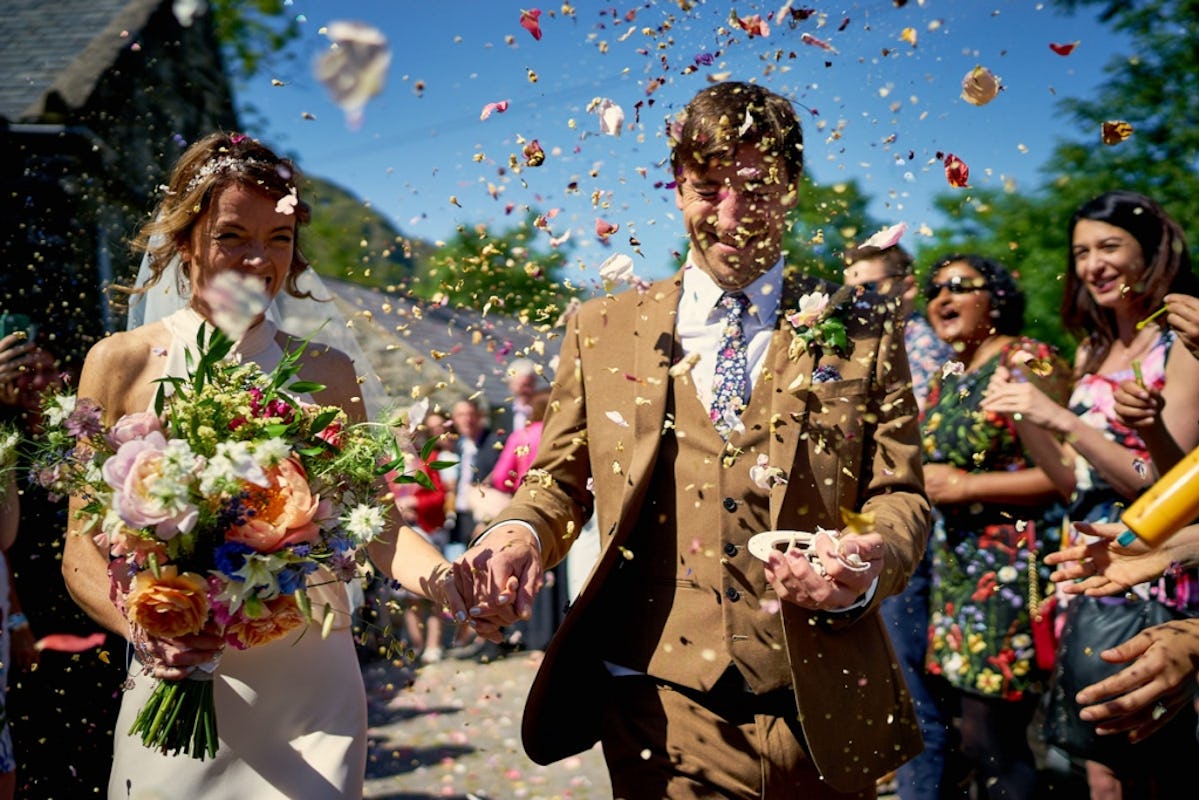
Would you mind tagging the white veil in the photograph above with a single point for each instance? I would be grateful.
(317, 316)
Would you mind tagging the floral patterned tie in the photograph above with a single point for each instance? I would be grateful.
(730, 384)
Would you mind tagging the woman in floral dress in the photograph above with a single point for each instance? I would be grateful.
(994, 512)
(1130, 418)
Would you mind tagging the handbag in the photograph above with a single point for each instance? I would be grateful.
(1042, 613)
(1094, 624)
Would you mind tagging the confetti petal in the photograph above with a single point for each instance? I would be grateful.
(605, 229)
(530, 21)
(980, 86)
(1115, 131)
(69, 642)
(887, 237)
(1063, 49)
(353, 69)
(498, 107)
(956, 171)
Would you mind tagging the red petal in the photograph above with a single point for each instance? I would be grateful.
(956, 171)
(1063, 49)
(604, 229)
(70, 643)
(528, 21)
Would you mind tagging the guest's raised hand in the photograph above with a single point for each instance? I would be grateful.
(1104, 567)
(1182, 315)
(1138, 406)
(1157, 684)
(945, 484)
(1011, 394)
(15, 352)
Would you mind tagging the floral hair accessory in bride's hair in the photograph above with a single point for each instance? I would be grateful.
(219, 164)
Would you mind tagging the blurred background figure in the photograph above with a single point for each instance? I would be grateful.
(59, 705)
(887, 272)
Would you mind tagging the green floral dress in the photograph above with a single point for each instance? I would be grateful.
(980, 636)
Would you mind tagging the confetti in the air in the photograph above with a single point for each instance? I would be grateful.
(530, 21)
(1115, 131)
(1063, 49)
(980, 86)
(605, 229)
(611, 116)
(956, 171)
(354, 67)
(753, 25)
(808, 38)
(498, 107)
(887, 237)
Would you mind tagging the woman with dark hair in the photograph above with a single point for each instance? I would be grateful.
(994, 508)
(1130, 417)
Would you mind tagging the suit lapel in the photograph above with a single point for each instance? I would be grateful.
(654, 353)
(789, 403)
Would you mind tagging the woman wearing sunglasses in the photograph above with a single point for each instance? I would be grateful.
(993, 510)
(1131, 416)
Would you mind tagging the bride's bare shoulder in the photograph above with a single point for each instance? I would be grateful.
(121, 361)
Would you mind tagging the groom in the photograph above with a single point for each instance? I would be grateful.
(710, 407)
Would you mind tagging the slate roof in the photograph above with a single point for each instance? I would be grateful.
(444, 352)
(62, 47)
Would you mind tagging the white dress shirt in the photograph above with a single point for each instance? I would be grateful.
(700, 324)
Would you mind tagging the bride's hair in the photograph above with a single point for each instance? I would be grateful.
(209, 166)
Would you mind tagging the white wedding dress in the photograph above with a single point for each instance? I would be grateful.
(291, 713)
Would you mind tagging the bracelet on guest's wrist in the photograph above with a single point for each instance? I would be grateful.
(17, 621)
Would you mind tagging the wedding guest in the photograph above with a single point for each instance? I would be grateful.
(58, 704)
(523, 384)
(885, 268)
(994, 510)
(476, 447)
(717, 404)
(424, 509)
(520, 448)
(292, 711)
(1126, 255)
(10, 621)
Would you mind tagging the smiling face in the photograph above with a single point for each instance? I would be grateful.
(960, 309)
(1108, 261)
(735, 214)
(240, 231)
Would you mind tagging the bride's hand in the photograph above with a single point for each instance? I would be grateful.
(175, 659)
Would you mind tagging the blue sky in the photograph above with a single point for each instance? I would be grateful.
(877, 110)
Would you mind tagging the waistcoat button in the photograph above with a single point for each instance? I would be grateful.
(730, 549)
(732, 594)
(730, 504)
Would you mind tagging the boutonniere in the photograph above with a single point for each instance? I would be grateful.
(816, 323)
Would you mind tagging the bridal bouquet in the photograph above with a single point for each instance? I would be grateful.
(217, 510)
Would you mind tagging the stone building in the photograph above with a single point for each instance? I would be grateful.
(97, 100)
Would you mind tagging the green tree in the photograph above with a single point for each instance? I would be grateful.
(497, 272)
(349, 240)
(1151, 87)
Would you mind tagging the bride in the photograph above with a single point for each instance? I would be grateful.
(292, 712)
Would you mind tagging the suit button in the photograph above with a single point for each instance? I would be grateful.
(732, 594)
(730, 549)
(730, 504)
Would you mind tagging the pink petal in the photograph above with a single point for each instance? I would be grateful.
(529, 21)
(498, 107)
(69, 643)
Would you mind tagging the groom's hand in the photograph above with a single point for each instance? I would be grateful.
(504, 572)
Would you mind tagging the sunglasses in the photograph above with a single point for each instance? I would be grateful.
(955, 285)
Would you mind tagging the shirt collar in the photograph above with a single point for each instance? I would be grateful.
(765, 293)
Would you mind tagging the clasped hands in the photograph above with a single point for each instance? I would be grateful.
(493, 583)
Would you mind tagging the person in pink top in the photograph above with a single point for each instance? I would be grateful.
(520, 448)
